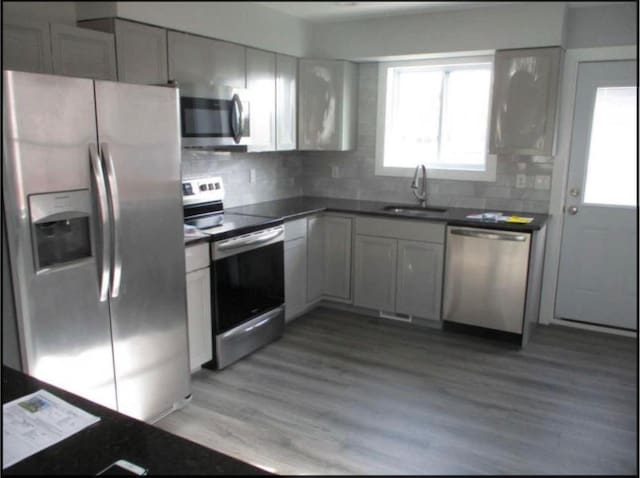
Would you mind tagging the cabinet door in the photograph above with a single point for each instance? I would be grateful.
(315, 258)
(375, 272)
(199, 318)
(419, 289)
(26, 46)
(327, 105)
(286, 88)
(83, 52)
(261, 83)
(525, 90)
(337, 257)
(194, 59)
(142, 53)
(295, 277)
(320, 95)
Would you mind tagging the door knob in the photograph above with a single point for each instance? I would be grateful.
(573, 210)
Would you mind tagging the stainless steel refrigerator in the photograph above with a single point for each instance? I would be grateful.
(93, 207)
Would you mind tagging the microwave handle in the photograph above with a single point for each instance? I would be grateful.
(236, 118)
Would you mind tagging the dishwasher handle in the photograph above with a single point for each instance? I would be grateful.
(493, 236)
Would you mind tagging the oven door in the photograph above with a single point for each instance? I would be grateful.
(247, 281)
(212, 117)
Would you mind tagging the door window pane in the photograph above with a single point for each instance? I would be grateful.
(612, 162)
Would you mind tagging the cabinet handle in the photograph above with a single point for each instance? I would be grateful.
(494, 236)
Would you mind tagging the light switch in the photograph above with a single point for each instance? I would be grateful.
(252, 176)
(521, 181)
(335, 172)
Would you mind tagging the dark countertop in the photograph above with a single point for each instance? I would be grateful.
(297, 207)
(114, 437)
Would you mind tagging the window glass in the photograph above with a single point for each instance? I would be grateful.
(612, 166)
(465, 120)
(437, 115)
(413, 122)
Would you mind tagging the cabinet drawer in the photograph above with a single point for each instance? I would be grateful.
(295, 229)
(197, 256)
(401, 229)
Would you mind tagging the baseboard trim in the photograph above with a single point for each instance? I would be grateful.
(594, 328)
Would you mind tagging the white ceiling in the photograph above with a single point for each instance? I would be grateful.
(335, 11)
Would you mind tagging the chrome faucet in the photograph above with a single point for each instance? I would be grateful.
(422, 195)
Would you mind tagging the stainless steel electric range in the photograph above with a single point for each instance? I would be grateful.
(247, 272)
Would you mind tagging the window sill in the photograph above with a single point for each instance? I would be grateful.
(453, 174)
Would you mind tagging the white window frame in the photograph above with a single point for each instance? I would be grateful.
(489, 174)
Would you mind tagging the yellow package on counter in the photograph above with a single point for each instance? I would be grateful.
(519, 220)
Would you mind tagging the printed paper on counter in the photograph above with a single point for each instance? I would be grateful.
(37, 421)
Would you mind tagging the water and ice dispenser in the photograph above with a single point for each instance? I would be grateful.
(60, 227)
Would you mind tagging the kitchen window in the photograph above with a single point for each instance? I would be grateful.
(435, 112)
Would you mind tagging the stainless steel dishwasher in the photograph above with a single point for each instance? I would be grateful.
(486, 278)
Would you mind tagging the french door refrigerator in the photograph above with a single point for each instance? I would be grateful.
(93, 206)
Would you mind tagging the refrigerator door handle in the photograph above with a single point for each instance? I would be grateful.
(114, 198)
(103, 210)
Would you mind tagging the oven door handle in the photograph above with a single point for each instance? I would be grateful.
(261, 321)
(251, 240)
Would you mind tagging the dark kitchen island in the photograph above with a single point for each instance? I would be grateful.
(115, 437)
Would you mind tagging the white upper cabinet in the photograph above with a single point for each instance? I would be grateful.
(83, 52)
(525, 92)
(286, 88)
(141, 50)
(200, 60)
(26, 46)
(327, 105)
(261, 83)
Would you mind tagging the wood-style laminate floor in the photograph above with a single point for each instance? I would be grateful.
(347, 394)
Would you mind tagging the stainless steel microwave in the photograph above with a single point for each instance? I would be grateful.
(214, 117)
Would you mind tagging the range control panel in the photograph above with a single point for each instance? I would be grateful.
(200, 190)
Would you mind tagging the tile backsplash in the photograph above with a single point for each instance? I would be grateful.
(287, 174)
(357, 180)
(277, 175)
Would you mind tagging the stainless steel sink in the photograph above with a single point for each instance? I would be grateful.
(415, 210)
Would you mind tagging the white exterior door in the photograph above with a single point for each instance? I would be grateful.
(597, 279)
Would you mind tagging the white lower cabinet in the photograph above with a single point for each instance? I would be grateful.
(337, 257)
(295, 268)
(329, 257)
(315, 257)
(396, 274)
(295, 277)
(199, 305)
(419, 287)
(375, 272)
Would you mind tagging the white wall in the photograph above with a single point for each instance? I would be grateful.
(602, 25)
(56, 12)
(505, 26)
(240, 22)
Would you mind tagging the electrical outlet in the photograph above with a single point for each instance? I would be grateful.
(335, 172)
(521, 181)
(252, 176)
(542, 182)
